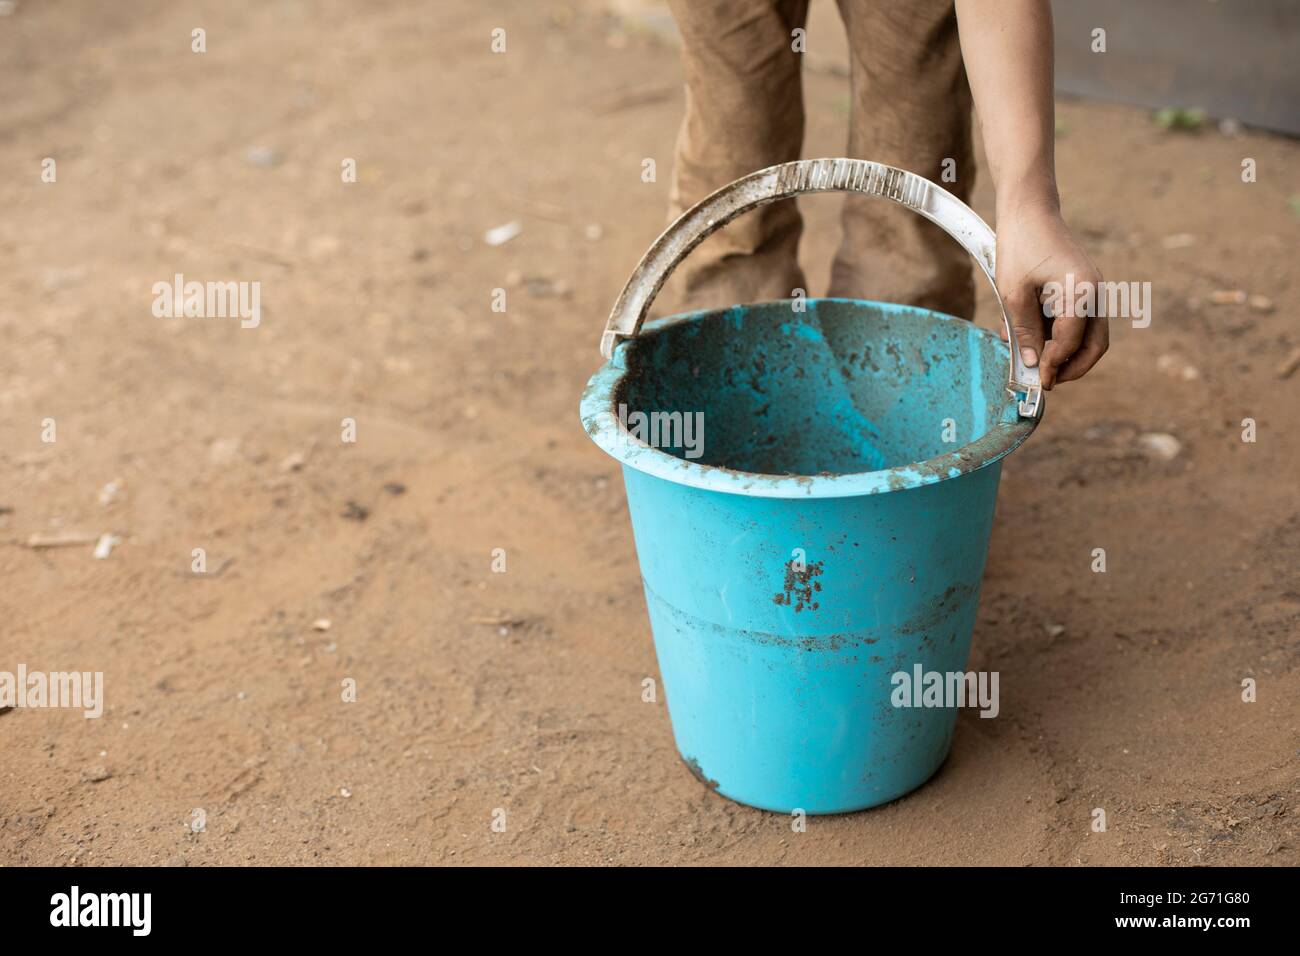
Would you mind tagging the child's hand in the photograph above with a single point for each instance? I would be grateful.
(1035, 247)
(1007, 46)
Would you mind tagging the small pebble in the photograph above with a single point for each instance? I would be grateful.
(321, 624)
(1160, 445)
(1289, 364)
(223, 451)
(1054, 630)
(500, 235)
(262, 156)
(104, 547)
(344, 792)
(1176, 367)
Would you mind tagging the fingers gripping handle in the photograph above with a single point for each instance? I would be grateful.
(809, 176)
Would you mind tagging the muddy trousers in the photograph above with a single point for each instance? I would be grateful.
(910, 107)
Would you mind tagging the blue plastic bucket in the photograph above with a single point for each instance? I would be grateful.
(820, 526)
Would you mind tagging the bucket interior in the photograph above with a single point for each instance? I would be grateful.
(841, 387)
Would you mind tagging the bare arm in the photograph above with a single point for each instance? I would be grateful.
(1007, 46)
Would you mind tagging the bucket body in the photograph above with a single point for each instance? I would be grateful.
(827, 533)
(780, 697)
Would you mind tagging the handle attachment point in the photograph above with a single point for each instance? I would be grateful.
(1032, 403)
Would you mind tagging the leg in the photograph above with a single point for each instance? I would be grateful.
(911, 109)
(744, 111)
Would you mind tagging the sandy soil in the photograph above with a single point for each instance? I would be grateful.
(522, 690)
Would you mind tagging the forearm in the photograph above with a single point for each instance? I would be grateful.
(1007, 46)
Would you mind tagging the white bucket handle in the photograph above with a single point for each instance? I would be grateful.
(810, 176)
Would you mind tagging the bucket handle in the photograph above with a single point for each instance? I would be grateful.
(809, 176)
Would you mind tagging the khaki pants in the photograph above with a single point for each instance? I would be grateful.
(911, 108)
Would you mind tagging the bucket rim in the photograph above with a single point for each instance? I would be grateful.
(603, 427)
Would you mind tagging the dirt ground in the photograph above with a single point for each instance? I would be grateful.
(521, 691)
